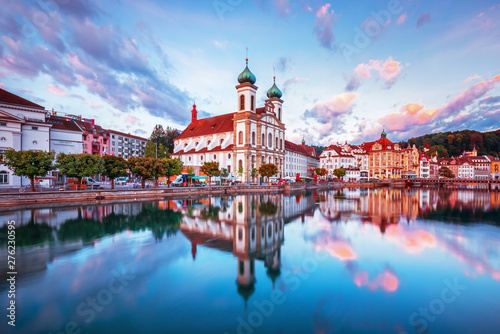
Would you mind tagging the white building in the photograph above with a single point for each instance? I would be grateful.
(65, 135)
(243, 139)
(352, 158)
(300, 159)
(465, 168)
(126, 145)
(424, 168)
(22, 127)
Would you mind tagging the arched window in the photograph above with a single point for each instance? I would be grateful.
(253, 138)
(221, 141)
(215, 156)
(252, 103)
(281, 144)
(270, 140)
(240, 138)
(229, 156)
(279, 114)
(4, 177)
(269, 230)
(276, 143)
(263, 140)
(242, 102)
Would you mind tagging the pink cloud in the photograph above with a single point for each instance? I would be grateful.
(131, 119)
(95, 105)
(336, 248)
(56, 90)
(474, 77)
(402, 19)
(412, 241)
(323, 26)
(388, 70)
(331, 112)
(283, 6)
(423, 19)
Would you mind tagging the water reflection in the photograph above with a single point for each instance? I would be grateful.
(211, 259)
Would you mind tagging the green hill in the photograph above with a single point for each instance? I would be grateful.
(456, 142)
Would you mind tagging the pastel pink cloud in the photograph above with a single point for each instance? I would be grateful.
(56, 90)
(386, 281)
(131, 119)
(402, 19)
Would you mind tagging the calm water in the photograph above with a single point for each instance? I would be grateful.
(382, 261)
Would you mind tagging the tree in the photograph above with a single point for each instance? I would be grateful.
(164, 136)
(224, 172)
(254, 173)
(29, 163)
(152, 151)
(339, 173)
(445, 153)
(446, 173)
(114, 167)
(210, 168)
(145, 168)
(173, 167)
(240, 172)
(79, 165)
(268, 170)
(321, 171)
(190, 172)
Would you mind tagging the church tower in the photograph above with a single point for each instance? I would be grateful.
(274, 95)
(246, 90)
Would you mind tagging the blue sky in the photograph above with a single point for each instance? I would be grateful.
(347, 68)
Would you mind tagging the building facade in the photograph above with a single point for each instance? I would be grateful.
(241, 140)
(126, 145)
(300, 160)
(385, 158)
(22, 127)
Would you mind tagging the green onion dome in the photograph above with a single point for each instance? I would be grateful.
(246, 76)
(274, 92)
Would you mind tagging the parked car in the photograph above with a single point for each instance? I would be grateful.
(121, 180)
(91, 183)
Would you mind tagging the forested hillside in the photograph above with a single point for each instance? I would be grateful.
(455, 143)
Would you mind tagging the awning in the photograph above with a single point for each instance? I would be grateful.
(200, 177)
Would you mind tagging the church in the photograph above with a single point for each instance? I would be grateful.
(247, 138)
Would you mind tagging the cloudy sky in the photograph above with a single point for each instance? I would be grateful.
(346, 68)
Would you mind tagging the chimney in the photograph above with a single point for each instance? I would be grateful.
(194, 114)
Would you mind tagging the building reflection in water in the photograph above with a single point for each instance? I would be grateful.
(250, 227)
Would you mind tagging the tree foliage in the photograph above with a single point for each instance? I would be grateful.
(146, 168)
(446, 173)
(173, 167)
(339, 173)
(455, 143)
(165, 137)
(114, 167)
(79, 165)
(29, 163)
(210, 168)
(151, 151)
(321, 171)
(268, 170)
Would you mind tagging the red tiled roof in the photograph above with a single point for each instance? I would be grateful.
(207, 126)
(9, 98)
(126, 134)
(311, 152)
(205, 150)
(63, 123)
(296, 148)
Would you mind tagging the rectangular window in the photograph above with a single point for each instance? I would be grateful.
(3, 124)
(34, 128)
(4, 178)
(2, 156)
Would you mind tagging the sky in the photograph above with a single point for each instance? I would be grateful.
(347, 69)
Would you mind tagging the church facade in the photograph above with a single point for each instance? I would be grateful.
(241, 140)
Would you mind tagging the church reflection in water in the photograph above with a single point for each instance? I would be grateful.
(250, 227)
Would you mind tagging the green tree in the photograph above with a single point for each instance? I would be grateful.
(190, 172)
(339, 173)
(321, 171)
(224, 173)
(175, 166)
(240, 172)
(146, 168)
(151, 151)
(446, 173)
(29, 163)
(79, 165)
(254, 173)
(164, 137)
(210, 168)
(268, 170)
(114, 167)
